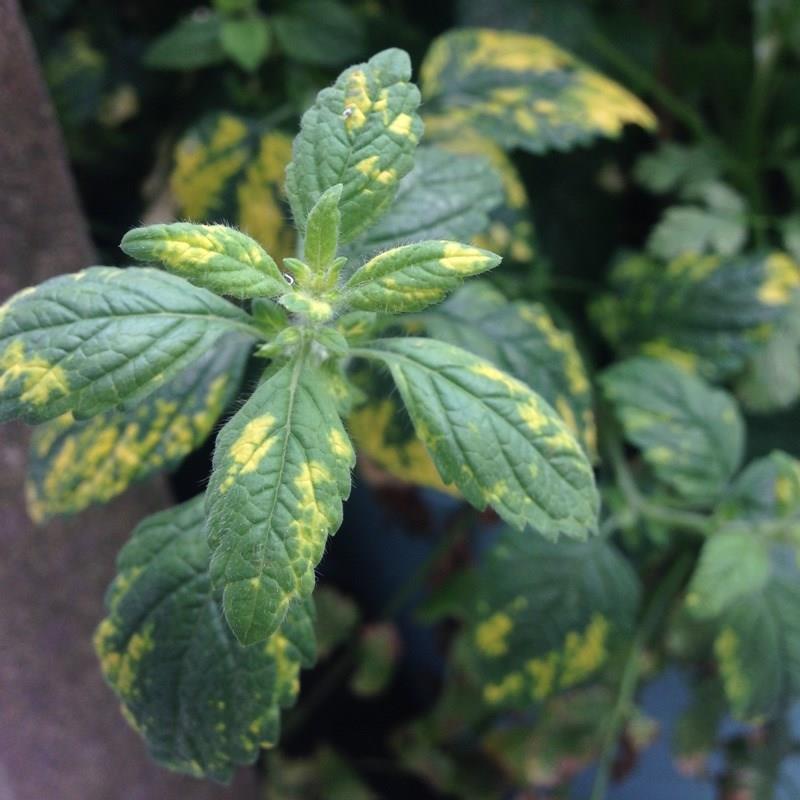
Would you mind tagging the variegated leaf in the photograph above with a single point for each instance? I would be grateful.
(362, 133)
(203, 702)
(215, 257)
(90, 341)
(74, 464)
(524, 91)
(281, 470)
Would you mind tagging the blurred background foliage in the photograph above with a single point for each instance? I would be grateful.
(172, 110)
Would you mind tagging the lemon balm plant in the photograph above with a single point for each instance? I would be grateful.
(210, 618)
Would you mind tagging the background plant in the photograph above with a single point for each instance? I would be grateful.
(694, 564)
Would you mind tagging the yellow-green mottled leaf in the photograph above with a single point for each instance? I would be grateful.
(748, 584)
(510, 231)
(317, 309)
(705, 313)
(203, 703)
(414, 276)
(544, 614)
(757, 643)
(281, 470)
(524, 91)
(445, 196)
(382, 431)
(90, 341)
(522, 339)
(362, 133)
(498, 441)
(230, 169)
(765, 495)
(74, 464)
(690, 434)
(215, 257)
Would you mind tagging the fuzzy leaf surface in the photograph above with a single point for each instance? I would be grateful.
(230, 168)
(281, 470)
(74, 464)
(89, 341)
(215, 257)
(414, 276)
(490, 434)
(203, 702)
(361, 132)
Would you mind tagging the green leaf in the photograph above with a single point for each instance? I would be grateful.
(246, 40)
(445, 196)
(414, 276)
(771, 378)
(90, 341)
(732, 564)
(230, 168)
(269, 315)
(362, 133)
(383, 432)
(672, 167)
(320, 32)
(767, 493)
(193, 43)
(281, 470)
(378, 651)
(691, 435)
(74, 464)
(299, 302)
(215, 257)
(522, 339)
(720, 226)
(202, 702)
(757, 646)
(488, 433)
(543, 615)
(705, 313)
(524, 91)
(322, 230)
(510, 232)
(336, 619)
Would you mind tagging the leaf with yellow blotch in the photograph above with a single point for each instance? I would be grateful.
(74, 464)
(524, 91)
(522, 339)
(498, 441)
(90, 341)
(690, 434)
(216, 257)
(510, 231)
(281, 471)
(706, 314)
(414, 276)
(203, 703)
(230, 168)
(361, 132)
(544, 614)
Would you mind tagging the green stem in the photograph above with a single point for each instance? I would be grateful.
(655, 612)
(640, 505)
